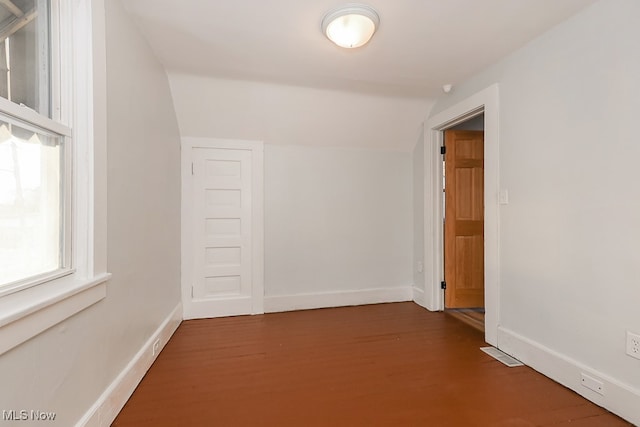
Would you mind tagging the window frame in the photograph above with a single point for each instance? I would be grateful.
(58, 123)
(78, 112)
(67, 196)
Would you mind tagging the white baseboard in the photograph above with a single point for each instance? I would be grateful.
(273, 304)
(419, 297)
(617, 397)
(109, 404)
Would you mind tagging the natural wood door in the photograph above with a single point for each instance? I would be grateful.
(464, 219)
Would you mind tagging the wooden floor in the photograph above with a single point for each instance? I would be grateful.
(473, 317)
(376, 365)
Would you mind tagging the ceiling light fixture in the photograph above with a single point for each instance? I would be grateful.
(351, 25)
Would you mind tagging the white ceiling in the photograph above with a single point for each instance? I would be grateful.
(420, 44)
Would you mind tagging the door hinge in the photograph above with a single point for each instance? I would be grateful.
(443, 150)
(443, 285)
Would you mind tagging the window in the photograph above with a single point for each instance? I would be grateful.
(52, 163)
(35, 190)
(32, 203)
(25, 53)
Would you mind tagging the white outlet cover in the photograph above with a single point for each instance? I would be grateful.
(633, 345)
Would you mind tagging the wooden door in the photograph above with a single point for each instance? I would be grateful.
(464, 219)
(222, 235)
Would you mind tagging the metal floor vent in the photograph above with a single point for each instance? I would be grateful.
(502, 357)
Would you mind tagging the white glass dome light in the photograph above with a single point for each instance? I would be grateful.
(351, 25)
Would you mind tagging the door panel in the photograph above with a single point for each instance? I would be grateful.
(222, 279)
(464, 219)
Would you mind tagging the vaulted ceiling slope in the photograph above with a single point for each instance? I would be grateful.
(420, 44)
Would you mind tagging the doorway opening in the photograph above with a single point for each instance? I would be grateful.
(484, 101)
(463, 220)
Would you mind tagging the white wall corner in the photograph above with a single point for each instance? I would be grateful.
(617, 397)
(104, 411)
(419, 297)
(279, 303)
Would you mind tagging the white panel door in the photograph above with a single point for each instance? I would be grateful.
(222, 234)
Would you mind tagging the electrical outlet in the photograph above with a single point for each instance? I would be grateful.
(592, 384)
(156, 346)
(633, 345)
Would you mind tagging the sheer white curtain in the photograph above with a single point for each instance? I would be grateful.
(30, 203)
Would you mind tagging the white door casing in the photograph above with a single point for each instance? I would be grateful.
(222, 227)
(486, 101)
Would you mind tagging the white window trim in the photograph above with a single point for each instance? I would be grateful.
(46, 126)
(26, 313)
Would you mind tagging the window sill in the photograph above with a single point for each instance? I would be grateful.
(29, 312)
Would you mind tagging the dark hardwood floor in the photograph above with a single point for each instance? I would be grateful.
(473, 317)
(376, 365)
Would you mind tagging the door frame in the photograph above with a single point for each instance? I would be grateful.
(484, 101)
(257, 218)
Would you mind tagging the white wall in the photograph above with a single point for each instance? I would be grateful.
(336, 220)
(418, 218)
(338, 184)
(144, 188)
(290, 115)
(568, 147)
(66, 368)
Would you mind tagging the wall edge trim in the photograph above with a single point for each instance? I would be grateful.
(105, 409)
(279, 303)
(619, 398)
